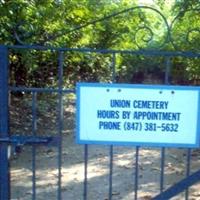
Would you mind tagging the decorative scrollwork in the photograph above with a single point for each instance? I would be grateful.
(150, 34)
(146, 33)
(22, 32)
(185, 34)
(143, 36)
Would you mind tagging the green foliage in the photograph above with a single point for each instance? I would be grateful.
(95, 24)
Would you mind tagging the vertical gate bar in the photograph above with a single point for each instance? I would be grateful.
(85, 171)
(34, 126)
(162, 166)
(111, 146)
(167, 82)
(60, 120)
(113, 67)
(188, 170)
(111, 172)
(136, 171)
(167, 70)
(4, 130)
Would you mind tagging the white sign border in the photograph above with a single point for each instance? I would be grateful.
(132, 143)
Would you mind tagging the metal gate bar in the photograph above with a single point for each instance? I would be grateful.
(167, 66)
(113, 71)
(188, 162)
(85, 171)
(179, 187)
(110, 172)
(34, 127)
(162, 169)
(4, 130)
(136, 171)
(60, 119)
(143, 52)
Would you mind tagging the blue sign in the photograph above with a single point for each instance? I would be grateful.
(142, 115)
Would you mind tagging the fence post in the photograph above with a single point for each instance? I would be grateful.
(4, 164)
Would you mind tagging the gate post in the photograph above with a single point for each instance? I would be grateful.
(4, 164)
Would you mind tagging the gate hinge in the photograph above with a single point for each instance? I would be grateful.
(30, 140)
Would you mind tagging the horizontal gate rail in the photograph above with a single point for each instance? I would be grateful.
(30, 140)
(189, 54)
(41, 90)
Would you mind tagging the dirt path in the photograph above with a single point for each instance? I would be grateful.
(98, 163)
(98, 172)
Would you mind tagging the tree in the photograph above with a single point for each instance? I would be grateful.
(109, 24)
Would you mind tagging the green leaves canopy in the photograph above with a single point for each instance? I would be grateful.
(75, 23)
